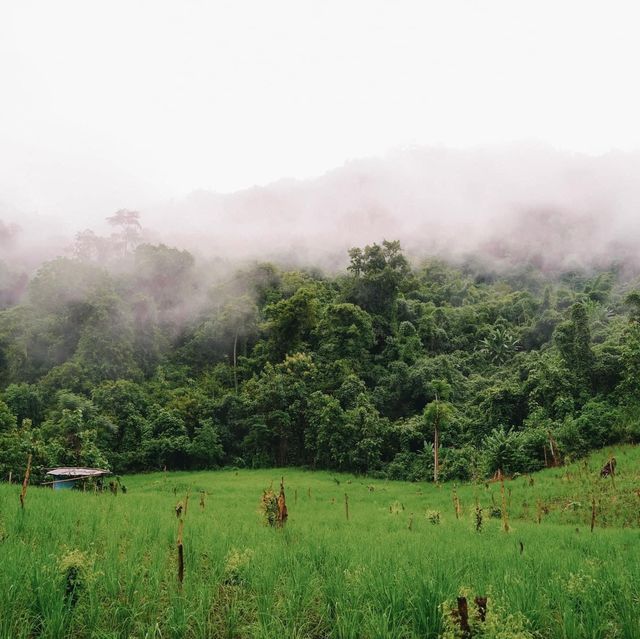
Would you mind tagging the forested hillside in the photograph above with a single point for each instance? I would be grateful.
(140, 357)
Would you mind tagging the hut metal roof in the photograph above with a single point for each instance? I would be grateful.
(78, 472)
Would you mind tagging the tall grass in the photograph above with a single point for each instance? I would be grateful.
(323, 576)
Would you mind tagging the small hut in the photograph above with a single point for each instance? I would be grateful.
(66, 478)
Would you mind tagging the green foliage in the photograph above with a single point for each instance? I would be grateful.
(158, 361)
(7, 418)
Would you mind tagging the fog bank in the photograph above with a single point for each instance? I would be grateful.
(510, 204)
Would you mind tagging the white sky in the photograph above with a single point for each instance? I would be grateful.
(160, 97)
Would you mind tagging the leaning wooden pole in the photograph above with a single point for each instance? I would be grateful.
(25, 482)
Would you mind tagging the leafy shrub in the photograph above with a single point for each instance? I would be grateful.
(458, 463)
(503, 450)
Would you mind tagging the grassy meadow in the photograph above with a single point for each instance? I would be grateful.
(105, 567)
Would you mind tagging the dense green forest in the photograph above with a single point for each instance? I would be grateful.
(137, 357)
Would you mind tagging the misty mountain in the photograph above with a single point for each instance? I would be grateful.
(519, 203)
(510, 205)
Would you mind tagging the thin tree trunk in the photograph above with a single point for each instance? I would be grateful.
(436, 443)
(235, 360)
(435, 454)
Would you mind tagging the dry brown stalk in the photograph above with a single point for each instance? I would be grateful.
(593, 513)
(282, 506)
(202, 500)
(346, 505)
(25, 483)
(186, 503)
(456, 504)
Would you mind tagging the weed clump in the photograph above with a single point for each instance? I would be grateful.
(485, 618)
(269, 507)
(273, 508)
(76, 569)
(235, 566)
(396, 508)
(433, 517)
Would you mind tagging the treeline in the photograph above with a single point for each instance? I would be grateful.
(148, 361)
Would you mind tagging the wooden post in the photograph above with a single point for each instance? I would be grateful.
(346, 505)
(10, 476)
(25, 483)
(463, 616)
(505, 517)
(180, 553)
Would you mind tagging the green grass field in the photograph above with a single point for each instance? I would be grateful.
(104, 566)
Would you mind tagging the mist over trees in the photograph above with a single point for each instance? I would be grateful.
(504, 205)
(138, 355)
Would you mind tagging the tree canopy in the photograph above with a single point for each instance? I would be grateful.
(160, 361)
